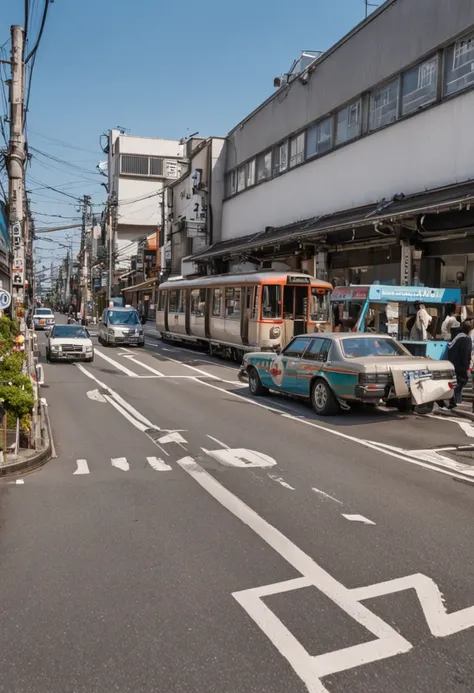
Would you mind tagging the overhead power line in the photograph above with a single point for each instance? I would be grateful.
(58, 160)
(62, 143)
(40, 34)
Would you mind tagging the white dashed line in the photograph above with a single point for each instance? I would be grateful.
(120, 463)
(82, 466)
(358, 518)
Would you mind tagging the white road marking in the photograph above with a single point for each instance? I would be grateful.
(173, 437)
(145, 366)
(358, 518)
(138, 424)
(202, 356)
(44, 402)
(123, 351)
(95, 396)
(124, 405)
(82, 466)
(193, 368)
(19, 481)
(117, 364)
(388, 642)
(240, 457)
(326, 495)
(281, 481)
(219, 442)
(120, 463)
(158, 465)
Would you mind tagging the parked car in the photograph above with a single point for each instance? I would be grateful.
(121, 326)
(69, 343)
(43, 318)
(335, 370)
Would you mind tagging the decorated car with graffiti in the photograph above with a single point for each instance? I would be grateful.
(335, 370)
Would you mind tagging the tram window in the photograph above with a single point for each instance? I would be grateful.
(271, 302)
(173, 302)
(319, 306)
(256, 298)
(297, 347)
(162, 300)
(198, 301)
(182, 301)
(232, 303)
(216, 302)
(318, 349)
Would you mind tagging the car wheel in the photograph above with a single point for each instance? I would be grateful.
(323, 399)
(255, 384)
(404, 405)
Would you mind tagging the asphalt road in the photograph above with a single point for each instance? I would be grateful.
(190, 539)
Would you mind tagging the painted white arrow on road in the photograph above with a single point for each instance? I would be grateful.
(120, 463)
(95, 396)
(158, 465)
(82, 467)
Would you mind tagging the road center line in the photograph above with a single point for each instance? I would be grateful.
(117, 365)
(358, 518)
(368, 444)
(326, 495)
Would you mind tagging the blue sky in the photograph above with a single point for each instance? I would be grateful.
(163, 69)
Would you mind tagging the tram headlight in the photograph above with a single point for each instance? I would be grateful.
(274, 332)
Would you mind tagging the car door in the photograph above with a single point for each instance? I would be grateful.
(284, 370)
(311, 363)
(103, 326)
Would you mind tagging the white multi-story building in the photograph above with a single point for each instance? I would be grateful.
(360, 165)
(138, 169)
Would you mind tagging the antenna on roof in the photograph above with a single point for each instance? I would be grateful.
(367, 5)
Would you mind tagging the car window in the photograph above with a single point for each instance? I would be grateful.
(70, 331)
(297, 347)
(43, 311)
(123, 317)
(318, 349)
(359, 347)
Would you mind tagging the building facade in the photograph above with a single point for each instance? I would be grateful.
(359, 168)
(138, 170)
(193, 206)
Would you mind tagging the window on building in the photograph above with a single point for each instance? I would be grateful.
(216, 302)
(156, 166)
(134, 165)
(256, 297)
(231, 183)
(297, 149)
(264, 166)
(319, 138)
(280, 158)
(384, 105)
(271, 302)
(348, 123)
(173, 302)
(420, 85)
(250, 172)
(232, 303)
(241, 178)
(459, 61)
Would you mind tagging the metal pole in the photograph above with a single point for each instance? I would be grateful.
(111, 250)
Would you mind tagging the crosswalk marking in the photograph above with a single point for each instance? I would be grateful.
(82, 467)
(120, 463)
(158, 465)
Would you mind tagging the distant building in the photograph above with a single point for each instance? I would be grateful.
(193, 206)
(138, 169)
(359, 167)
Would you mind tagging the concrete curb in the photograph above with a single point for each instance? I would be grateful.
(37, 459)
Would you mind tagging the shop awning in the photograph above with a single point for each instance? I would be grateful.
(149, 284)
(455, 197)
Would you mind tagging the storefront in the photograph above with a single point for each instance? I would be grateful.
(143, 297)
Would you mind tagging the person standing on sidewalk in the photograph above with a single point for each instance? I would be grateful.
(419, 330)
(460, 355)
(449, 323)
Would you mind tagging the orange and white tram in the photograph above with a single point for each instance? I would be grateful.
(234, 313)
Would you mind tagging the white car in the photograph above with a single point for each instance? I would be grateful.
(69, 343)
(43, 319)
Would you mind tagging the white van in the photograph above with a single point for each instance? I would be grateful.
(121, 326)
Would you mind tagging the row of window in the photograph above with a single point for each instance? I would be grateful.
(136, 165)
(410, 91)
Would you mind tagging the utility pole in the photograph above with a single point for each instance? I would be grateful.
(84, 254)
(16, 173)
(110, 235)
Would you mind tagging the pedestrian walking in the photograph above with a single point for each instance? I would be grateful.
(450, 323)
(419, 331)
(460, 355)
